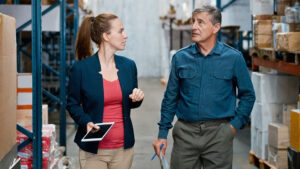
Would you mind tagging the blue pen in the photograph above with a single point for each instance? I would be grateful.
(155, 153)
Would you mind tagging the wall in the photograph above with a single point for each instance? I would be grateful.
(142, 25)
(22, 13)
(146, 43)
(237, 14)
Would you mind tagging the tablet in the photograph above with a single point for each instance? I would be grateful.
(98, 135)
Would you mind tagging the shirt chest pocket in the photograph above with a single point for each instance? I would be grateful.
(185, 73)
(222, 82)
(188, 80)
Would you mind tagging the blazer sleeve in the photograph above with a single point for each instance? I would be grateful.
(74, 99)
(135, 85)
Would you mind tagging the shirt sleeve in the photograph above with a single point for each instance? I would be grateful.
(74, 97)
(169, 103)
(246, 93)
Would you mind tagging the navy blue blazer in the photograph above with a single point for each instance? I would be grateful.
(85, 100)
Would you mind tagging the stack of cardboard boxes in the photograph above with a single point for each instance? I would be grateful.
(263, 31)
(272, 92)
(278, 144)
(273, 29)
(8, 89)
(24, 107)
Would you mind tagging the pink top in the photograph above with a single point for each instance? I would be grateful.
(113, 112)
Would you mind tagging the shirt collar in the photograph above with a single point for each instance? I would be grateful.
(216, 50)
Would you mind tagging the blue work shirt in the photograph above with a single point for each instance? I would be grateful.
(203, 88)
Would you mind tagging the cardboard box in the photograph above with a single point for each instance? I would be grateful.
(24, 116)
(298, 104)
(277, 157)
(295, 129)
(262, 27)
(286, 114)
(24, 80)
(294, 27)
(24, 91)
(8, 85)
(288, 41)
(281, 6)
(263, 17)
(263, 41)
(278, 135)
(293, 158)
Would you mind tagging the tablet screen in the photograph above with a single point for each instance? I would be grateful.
(98, 135)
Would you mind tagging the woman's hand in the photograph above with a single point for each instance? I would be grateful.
(136, 95)
(91, 126)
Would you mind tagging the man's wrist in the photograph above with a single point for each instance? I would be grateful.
(163, 134)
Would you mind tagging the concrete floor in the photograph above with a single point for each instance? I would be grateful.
(145, 121)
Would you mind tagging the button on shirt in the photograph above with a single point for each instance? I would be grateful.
(203, 88)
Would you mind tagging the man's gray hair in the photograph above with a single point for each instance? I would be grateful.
(215, 13)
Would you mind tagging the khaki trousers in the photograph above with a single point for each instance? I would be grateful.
(107, 159)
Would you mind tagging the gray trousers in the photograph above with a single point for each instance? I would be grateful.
(200, 145)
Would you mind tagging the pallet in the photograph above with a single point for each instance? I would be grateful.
(291, 57)
(263, 53)
(258, 162)
(274, 55)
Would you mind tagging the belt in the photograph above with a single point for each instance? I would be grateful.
(209, 123)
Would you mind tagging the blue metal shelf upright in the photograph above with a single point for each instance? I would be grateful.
(36, 39)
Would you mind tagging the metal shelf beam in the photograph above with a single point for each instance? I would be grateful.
(281, 66)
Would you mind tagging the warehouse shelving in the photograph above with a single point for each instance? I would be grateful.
(286, 62)
(36, 135)
(282, 61)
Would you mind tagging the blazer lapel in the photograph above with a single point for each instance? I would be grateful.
(122, 73)
(99, 83)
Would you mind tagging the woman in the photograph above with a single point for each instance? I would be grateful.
(103, 88)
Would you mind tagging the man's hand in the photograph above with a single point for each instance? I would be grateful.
(233, 130)
(136, 95)
(92, 126)
(156, 145)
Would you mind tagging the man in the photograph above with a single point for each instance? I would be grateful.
(201, 92)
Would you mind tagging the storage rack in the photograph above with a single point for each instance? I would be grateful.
(36, 135)
(277, 60)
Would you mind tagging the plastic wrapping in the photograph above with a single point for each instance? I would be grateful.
(48, 144)
(272, 88)
(263, 114)
(259, 143)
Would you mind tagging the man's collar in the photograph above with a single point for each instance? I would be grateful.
(216, 50)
